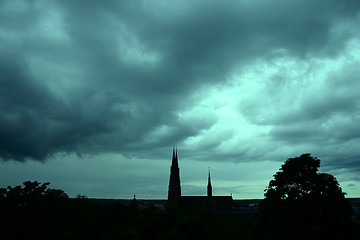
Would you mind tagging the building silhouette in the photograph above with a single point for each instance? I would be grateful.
(174, 194)
(209, 203)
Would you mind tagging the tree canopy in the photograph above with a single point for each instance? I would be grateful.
(31, 191)
(298, 178)
(302, 203)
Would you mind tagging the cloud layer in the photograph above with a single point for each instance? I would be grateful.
(226, 81)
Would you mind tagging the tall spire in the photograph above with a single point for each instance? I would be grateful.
(174, 193)
(174, 162)
(209, 187)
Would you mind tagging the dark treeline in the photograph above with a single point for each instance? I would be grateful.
(299, 203)
(34, 212)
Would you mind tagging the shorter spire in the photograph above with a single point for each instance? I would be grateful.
(209, 187)
(209, 179)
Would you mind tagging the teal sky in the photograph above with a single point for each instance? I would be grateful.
(93, 95)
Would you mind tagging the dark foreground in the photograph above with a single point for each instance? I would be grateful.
(34, 211)
(85, 219)
(82, 218)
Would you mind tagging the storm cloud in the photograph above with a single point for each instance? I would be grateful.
(227, 81)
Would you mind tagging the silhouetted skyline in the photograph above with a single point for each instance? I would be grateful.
(94, 95)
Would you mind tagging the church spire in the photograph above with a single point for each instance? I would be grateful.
(174, 162)
(209, 187)
(174, 193)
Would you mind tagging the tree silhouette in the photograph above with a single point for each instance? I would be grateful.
(302, 203)
(30, 192)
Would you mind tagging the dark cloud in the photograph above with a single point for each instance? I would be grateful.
(89, 77)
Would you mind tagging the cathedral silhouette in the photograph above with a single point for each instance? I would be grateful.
(209, 203)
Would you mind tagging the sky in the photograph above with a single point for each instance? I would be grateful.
(95, 94)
